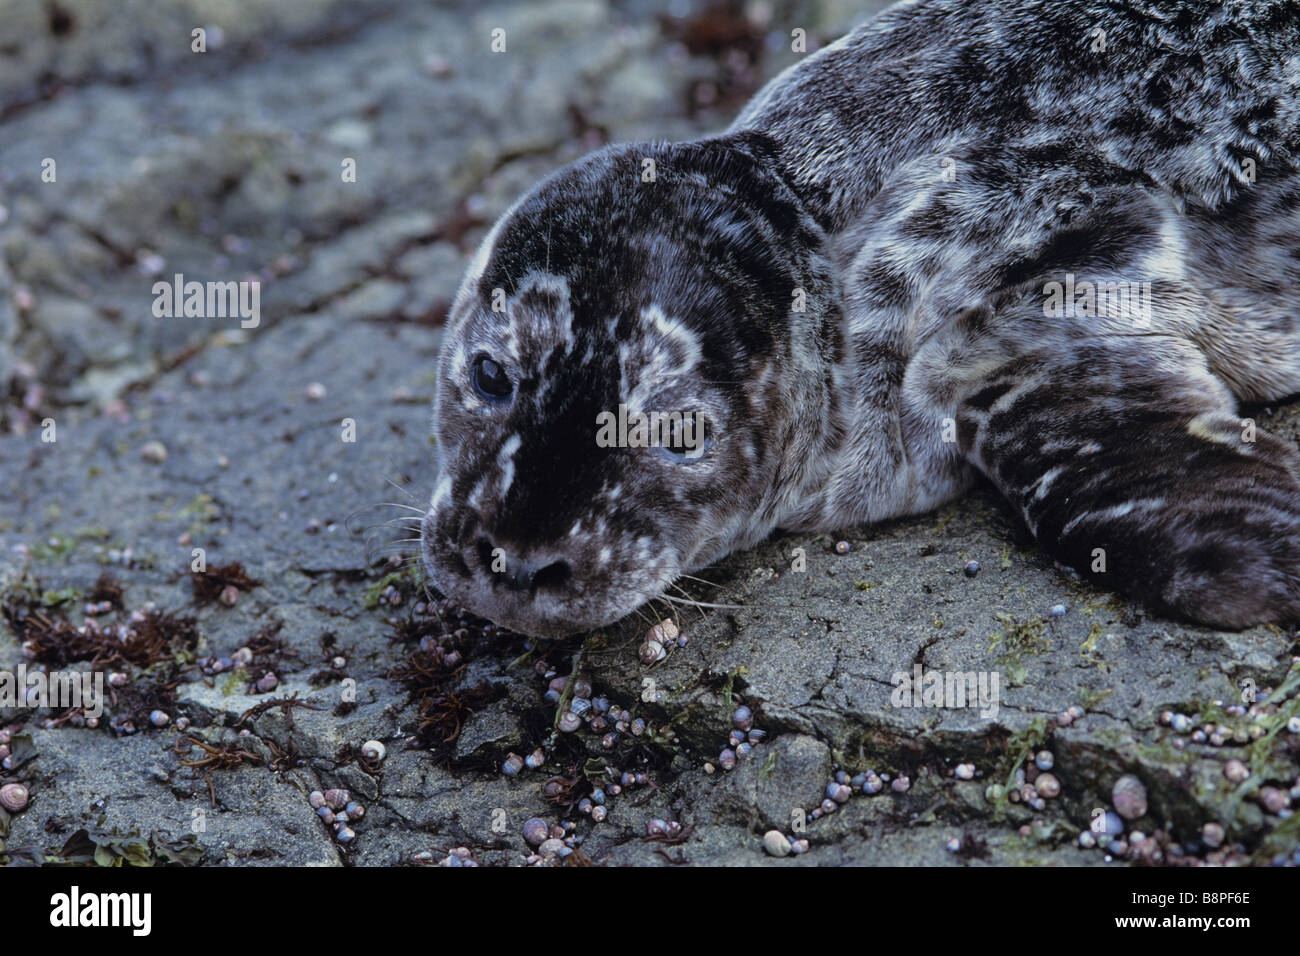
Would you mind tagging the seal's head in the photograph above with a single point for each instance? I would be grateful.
(667, 278)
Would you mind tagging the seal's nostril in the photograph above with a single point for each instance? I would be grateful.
(519, 575)
(552, 577)
(526, 576)
(487, 555)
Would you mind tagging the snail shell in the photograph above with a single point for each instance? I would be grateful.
(14, 796)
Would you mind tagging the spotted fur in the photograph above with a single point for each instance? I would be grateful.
(851, 283)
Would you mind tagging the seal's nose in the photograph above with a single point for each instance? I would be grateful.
(519, 574)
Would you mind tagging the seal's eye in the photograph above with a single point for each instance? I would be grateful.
(490, 379)
(685, 439)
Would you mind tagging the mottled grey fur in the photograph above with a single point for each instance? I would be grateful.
(917, 187)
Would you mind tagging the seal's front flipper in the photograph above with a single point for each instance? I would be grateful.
(1128, 462)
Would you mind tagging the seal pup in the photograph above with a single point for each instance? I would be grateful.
(1053, 242)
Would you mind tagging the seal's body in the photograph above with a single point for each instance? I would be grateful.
(1052, 241)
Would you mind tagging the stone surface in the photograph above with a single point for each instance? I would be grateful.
(226, 165)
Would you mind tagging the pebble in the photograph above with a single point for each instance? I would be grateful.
(838, 792)
(550, 848)
(1212, 835)
(154, 452)
(652, 652)
(665, 632)
(776, 843)
(1047, 786)
(1274, 800)
(1129, 797)
(536, 831)
(743, 718)
(1113, 824)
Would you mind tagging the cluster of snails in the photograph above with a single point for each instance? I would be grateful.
(458, 856)
(549, 841)
(742, 740)
(1031, 785)
(7, 760)
(237, 661)
(1222, 734)
(659, 640)
(599, 714)
(838, 792)
(337, 808)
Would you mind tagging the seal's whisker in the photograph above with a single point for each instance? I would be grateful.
(685, 596)
(689, 601)
(406, 491)
(691, 577)
(352, 521)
